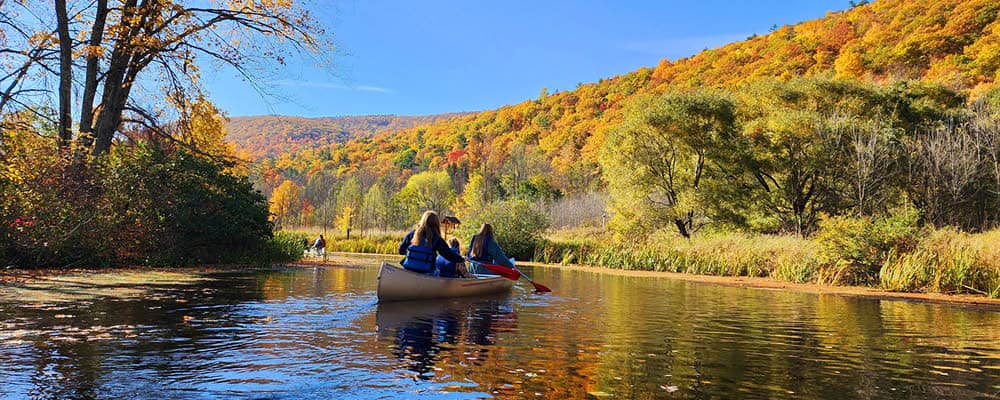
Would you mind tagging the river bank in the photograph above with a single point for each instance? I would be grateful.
(21, 277)
(344, 259)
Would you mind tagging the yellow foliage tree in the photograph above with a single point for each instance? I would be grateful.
(283, 201)
(345, 220)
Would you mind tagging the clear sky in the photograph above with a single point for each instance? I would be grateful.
(428, 57)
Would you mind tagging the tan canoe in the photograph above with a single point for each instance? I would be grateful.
(397, 284)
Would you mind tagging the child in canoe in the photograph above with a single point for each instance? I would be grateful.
(424, 243)
(448, 269)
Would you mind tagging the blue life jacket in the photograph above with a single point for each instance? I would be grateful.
(447, 268)
(419, 258)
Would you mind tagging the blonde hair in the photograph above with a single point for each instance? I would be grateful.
(428, 230)
(479, 241)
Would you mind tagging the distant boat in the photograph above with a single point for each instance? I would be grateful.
(398, 284)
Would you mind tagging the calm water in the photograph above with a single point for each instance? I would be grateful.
(318, 333)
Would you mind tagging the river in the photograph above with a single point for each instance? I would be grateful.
(318, 333)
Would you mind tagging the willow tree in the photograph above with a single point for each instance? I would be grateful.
(656, 161)
(116, 54)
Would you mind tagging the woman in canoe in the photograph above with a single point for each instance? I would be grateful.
(422, 245)
(486, 250)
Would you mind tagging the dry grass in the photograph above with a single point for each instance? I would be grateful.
(944, 261)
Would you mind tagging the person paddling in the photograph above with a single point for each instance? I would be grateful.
(485, 249)
(424, 243)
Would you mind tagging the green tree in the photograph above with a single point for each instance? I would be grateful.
(473, 198)
(656, 160)
(794, 166)
(518, 226)
(428, 191)
(349, 201)
(378, 206)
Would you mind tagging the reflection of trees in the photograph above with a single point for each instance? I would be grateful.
(629, 337)
(713, 342)
(69, 344)
(426, 331)
(317, 282)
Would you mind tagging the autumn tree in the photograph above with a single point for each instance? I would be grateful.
(117, 53)
(380, 209)
(284, 201)
(473, 198)
(349, 204)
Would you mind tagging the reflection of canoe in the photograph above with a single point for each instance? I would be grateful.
(392, 315)
(396, 284)
(425, 331)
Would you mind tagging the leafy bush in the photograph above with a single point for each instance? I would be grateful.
(140, 204)
(191, 211)
(286, 246)
(517, 226)
(853, 250)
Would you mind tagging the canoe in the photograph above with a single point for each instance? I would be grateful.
(398, 284)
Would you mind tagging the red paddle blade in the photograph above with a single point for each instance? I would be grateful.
(503, 271)
(540, 287)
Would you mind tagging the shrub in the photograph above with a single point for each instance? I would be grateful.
(517, 226)
(286, 246)
(853, 250)
(140, 204)
(184, 208)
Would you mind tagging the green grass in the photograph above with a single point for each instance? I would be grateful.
(375, 242)
(937, 261)
(947, 261)
(785, 257)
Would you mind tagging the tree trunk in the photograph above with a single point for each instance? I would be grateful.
(117, 84)
(90, 76)
(682, 228)
(65, 76)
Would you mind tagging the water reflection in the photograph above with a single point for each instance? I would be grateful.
(426, 331)
(318, 333)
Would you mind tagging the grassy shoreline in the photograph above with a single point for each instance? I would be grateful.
(941, 261)
(344, 259)
(944, 262)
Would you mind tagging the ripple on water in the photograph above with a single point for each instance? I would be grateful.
(317, 333)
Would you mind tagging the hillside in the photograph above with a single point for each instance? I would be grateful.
(954, 43)
(270, 135)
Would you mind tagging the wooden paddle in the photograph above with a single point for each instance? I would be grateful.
(513, 274)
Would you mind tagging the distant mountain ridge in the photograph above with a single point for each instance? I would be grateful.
(264, 136)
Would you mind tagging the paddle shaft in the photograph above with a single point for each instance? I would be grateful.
(512, 274)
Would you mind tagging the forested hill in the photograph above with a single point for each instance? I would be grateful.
(955, 43)
(270, 135)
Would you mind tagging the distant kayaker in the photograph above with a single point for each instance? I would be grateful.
(422, 245)
(486, 250)
(448, 269)
(320, 246)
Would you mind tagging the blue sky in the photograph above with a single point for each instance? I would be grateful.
(428, 57)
